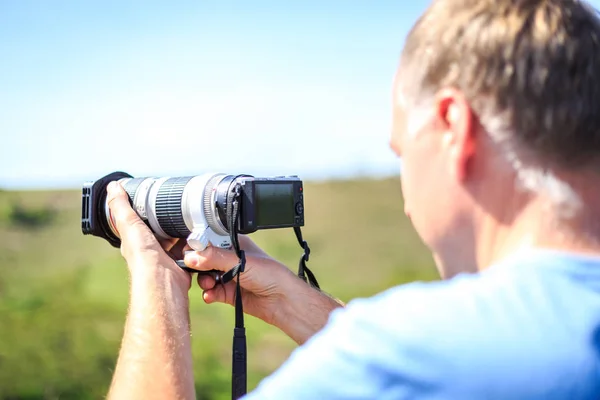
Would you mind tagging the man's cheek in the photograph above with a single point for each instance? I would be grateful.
(404, 186)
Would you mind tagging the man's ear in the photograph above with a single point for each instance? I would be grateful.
(456, 120)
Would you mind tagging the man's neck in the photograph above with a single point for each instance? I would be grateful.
(536, 226)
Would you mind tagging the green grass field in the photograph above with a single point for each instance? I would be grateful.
(63, 296)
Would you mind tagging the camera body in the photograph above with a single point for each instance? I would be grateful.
(195, 207)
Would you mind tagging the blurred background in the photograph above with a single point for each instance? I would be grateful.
(179, 88)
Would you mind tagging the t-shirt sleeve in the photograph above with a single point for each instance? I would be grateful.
(373, 348)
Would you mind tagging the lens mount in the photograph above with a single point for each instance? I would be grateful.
(209, 204)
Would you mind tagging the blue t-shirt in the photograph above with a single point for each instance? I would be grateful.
(526, 328)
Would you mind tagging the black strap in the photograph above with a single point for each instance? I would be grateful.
(239, 355)
(302, 268)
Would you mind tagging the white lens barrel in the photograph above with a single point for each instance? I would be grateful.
(175, 207)
(141, 197)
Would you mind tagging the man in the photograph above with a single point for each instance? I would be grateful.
(497, 121)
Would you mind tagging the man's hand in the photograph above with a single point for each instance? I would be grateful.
(145, 255)
(270, 290)
(155, 361)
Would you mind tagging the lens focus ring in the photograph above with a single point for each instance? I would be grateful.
(168, 207)
(131, 186)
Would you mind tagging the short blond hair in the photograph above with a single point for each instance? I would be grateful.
(529, 68)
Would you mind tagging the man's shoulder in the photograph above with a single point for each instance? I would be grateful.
(524, 290)
(422, 313)
(522, 281)
(527, 321)
(515, 331)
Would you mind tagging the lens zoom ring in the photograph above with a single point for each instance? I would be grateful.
(168, 207)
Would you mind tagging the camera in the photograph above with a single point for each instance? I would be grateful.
(197, 207)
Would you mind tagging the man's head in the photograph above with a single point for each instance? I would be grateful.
(496, 107)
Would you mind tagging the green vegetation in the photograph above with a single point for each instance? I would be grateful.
(63, 296)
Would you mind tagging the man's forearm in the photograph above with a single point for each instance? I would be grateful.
(155, 359)
(304, 311)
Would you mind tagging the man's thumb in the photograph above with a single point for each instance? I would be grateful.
(121, 212)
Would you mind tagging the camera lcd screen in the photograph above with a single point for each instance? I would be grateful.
(274, 204)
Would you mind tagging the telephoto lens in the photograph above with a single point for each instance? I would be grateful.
(198, 207)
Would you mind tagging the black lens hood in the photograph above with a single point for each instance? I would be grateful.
(99, 220)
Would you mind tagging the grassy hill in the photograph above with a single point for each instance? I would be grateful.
(63, 296)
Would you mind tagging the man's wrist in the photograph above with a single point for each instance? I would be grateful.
(159, 294)
(303, 310)
(152, 276)
(159, 297)
(157, 338)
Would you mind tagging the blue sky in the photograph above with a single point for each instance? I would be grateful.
(185, 87)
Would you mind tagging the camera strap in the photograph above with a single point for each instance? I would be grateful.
(302, 268)
(239, 355)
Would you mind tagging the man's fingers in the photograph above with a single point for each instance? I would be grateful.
(122, 214)
(177, 251)
(211, 258)
(218, 294)
(206, 282)
(167, 244)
